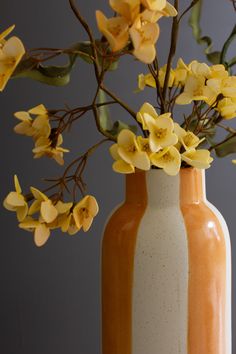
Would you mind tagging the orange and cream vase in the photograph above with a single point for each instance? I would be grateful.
(166, 269)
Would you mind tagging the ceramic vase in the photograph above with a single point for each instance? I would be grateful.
(166, 269)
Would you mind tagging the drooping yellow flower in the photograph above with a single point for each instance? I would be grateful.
(50, 148)
(41, 230)
(229, 87)
(144, 36)
(15, 201)
(181, 72)
(130, 152)
(84, 212)
(11, 53)
(161, 131)
(227, 108)
(44, 205)
(120, 165)
(193, 90)
(146, 108)
(116, 30)
(169, 159)
(129, 9)
(200, 69)
(218, 72)
(36, 127)
(197, 158)
(187, 139)
(146, 80)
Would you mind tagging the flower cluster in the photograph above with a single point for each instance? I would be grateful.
(11, 52)
(199, 82)
(165, 147)
(44, 215)
(135, 20)
(47, 140)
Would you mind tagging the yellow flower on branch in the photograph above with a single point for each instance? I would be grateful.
(144, 36)
(193, 90)
(50, 148)
(227, 108)
(41, 230)
(187, 139)
(130, 152)
(197, 158)
(120, 165)
(115, 29)
(129, 9)
(161, 131)
(11, 53)
(15, 201)
(44, 205)
(146, 80)
(84, 212)
(169, 159)
(146, 108)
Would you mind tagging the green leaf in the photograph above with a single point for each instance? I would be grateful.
(104, 113)
(119, 125)
(227, 44)
(227, 148)
(194, 22)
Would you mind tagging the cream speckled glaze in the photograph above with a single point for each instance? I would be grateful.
(166, 270)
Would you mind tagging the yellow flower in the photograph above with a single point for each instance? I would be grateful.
(229, 87)
(161, 131)
(11, 53)
(187, 139)
(200, 69)
(162, 75)
(144, 36)
(41, 230)
(46, 147)
(84, 212)
(181, 73)
(129, 150)
(129, 9)
(146, 80)
(212, 89)
(120, 165)
(169, 159)
(193, 90)
(44, 205)
(36, 127)
(15, 201)
(197, 158)
(116, 30)
(218, 72)
(144, 145)
(146, 108)
(227, 108)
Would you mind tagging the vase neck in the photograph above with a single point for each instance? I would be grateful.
(192, 185)
(156, 188)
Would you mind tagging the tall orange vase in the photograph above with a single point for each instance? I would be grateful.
(166, 269)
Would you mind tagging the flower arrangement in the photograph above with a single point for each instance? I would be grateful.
(156, 140)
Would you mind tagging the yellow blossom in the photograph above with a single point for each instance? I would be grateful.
(120, 165)
(84, 212)
(46, 147)
(187, 139)
(130, 152)
(229, 87)
(218, 72)
(193, 90)
(146, 108)
(227, 108)
(161, 131)
(15, 201)
(116, 30)
(144, 36)
(162, 75)
(11, 53)
(41, 230)
(146, 80)
(200, 69)
(36, 127)
(197, 158)
(169, 159)
(144, 145)
(181, 73)
(44, 205)
(129, 9)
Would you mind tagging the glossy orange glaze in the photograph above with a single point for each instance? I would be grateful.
(117, 267)
(207, 269)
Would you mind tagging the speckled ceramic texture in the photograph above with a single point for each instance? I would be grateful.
(166, 269)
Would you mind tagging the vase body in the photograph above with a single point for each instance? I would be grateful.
(166, 269)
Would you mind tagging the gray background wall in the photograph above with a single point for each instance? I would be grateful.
(50, 297)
